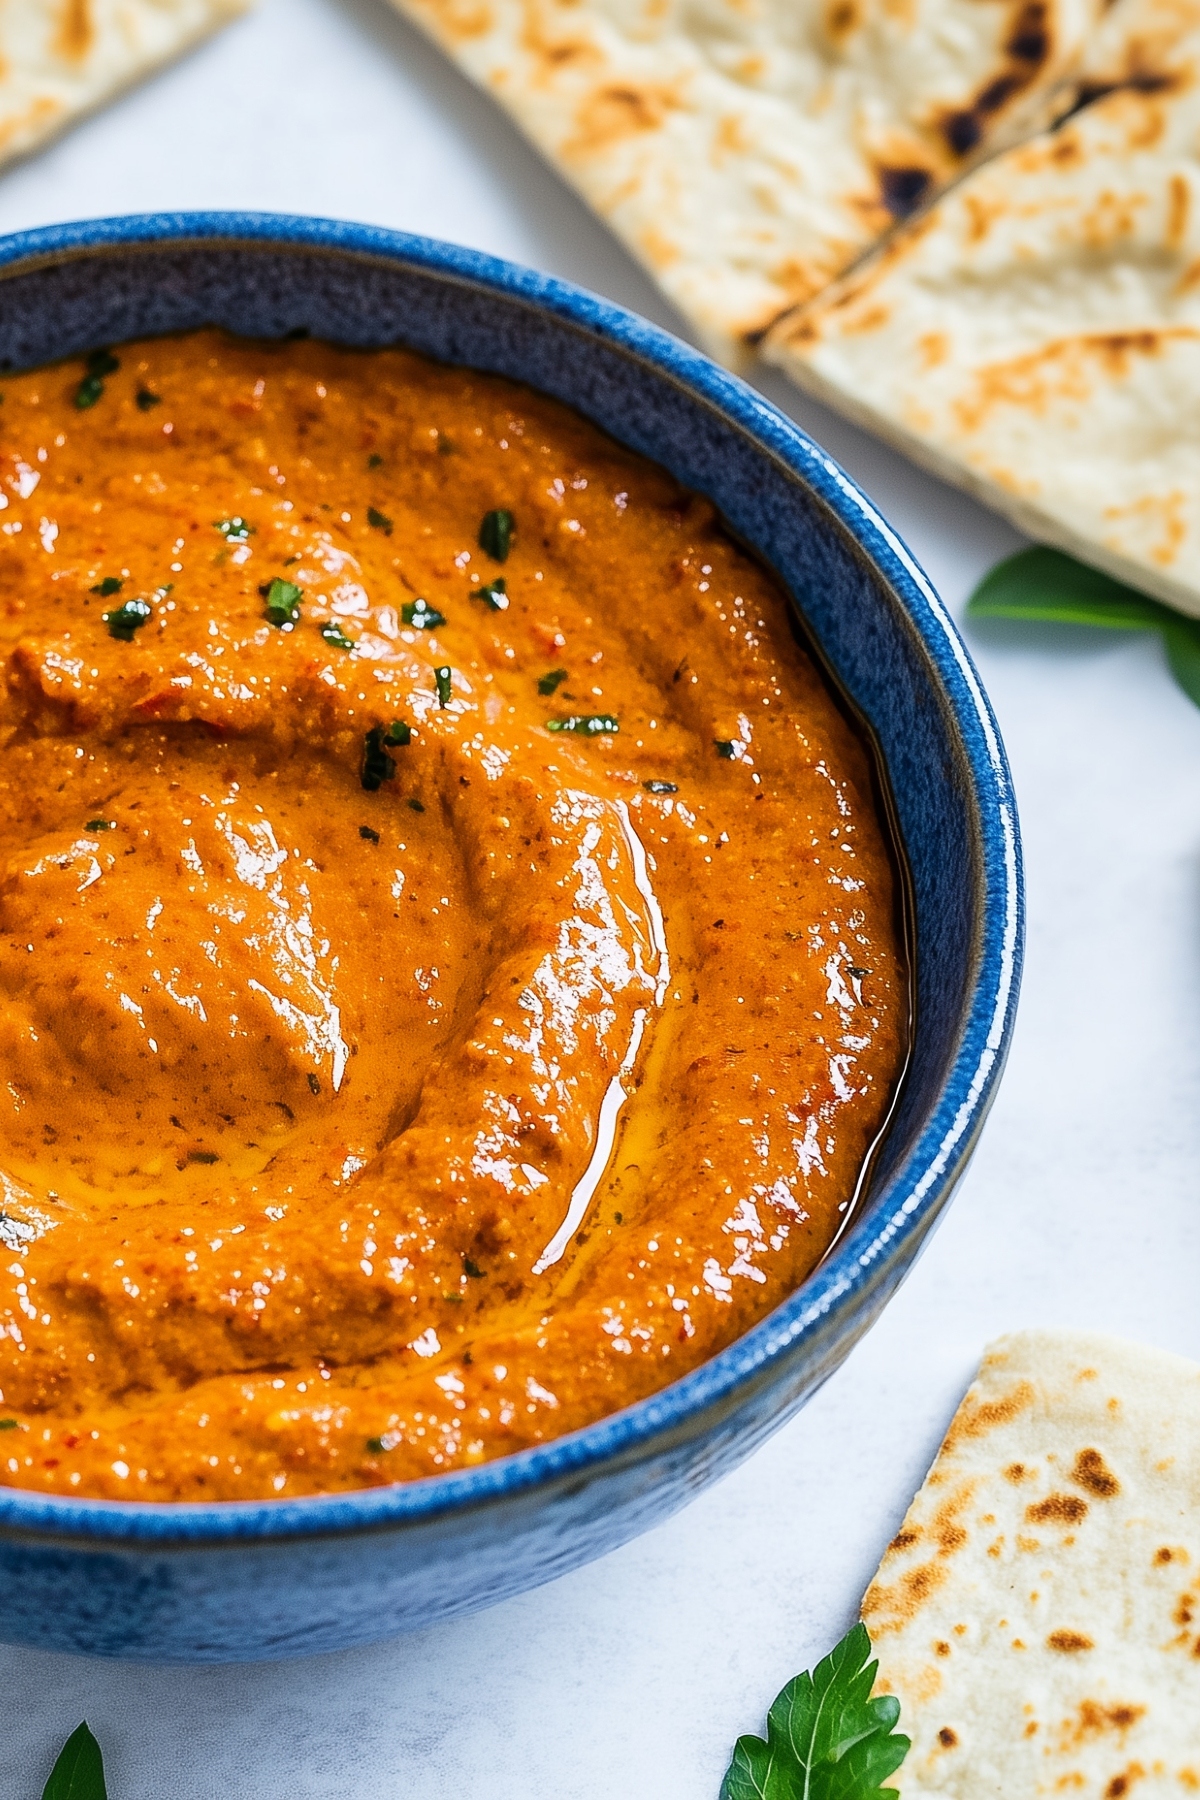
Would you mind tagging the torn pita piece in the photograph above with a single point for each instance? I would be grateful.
(1035, 337)
(61, 58)
(1038, 1613)
(747, 151)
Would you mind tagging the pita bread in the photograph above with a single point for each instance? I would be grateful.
(62, 58)
(1038, 1613)
(747, 151)
(1035, 337)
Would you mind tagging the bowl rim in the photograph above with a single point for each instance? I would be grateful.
(911, 1198)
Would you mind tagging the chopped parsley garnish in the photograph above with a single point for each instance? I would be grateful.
(496, 533)
(826, 1738)
(379, 520)
(146, 400)
(587, 724)
(79, 1772)
(377, 765)
(101, 825)
(207, 1157)
(376, 1446)
(236, 529)
(127, 619)
(422, 616)
(548, 683)
(372, 837)
(660, 787)
(333, 634)
(442, 678)
(99, 364)
(472, 1269)
(8, 1424)
(313, 1083)
(374, 461)
(494, 594)
(416, 805)
(112, 584)
(724, 747)
(283, 603)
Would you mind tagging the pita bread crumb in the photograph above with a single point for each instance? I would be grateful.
(1035, 337)
(747, 151)
(1038, 1612)
(62, 58)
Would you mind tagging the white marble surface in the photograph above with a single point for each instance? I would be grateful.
(633, 1677)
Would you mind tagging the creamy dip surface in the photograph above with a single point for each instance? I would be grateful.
(449, 974)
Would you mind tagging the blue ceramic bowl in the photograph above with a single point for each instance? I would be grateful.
(236, 1581)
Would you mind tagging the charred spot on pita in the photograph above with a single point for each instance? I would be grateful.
(1057, 1509)
(947, 1738)
(1069, 1643)
(1092, 1472)
(904, 189)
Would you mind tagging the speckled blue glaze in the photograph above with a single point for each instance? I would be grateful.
(238, 1581)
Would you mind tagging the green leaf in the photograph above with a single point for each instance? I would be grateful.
(333, 634)
(379, 520)
(496, 533)
(827, 1739)
(283, 602)
(548, 683)
(146, 400)
(127, 619)
(111, 584)
(79, 1772)
(1047, 585)
(493, 594)
(235, 529)
(422, 616)
(442, 678)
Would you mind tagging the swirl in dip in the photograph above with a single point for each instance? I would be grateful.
(450, 975)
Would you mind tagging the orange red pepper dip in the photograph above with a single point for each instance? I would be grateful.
(449, 975)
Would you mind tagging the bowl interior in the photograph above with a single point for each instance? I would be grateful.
(882, 629)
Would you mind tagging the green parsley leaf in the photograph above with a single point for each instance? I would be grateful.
(283, 602)
(442, 678)
(79, 1772)
(101, 825)
(376, 1446)
(726, 748)
(587, 724)
(548, 683)
(88, 392)
(365, 831)
(379, 520)
(111, 584)
(496, 533)
(127, 619)
(146, 400)
(374, 461)
(493, 594)
(472, 1269)
(8, 1424)
(416, 806)
(333, 634)
(377, 765)
(826, 1738)
(420, 614)
(99, 364)
(1048, 586)
(235, 529)
(660, 787)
